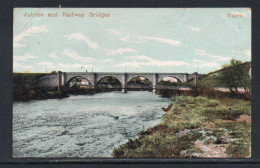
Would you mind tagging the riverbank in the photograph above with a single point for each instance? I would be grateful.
(196, 127)
(37, 94)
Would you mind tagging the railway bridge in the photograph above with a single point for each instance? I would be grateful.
(64, 78)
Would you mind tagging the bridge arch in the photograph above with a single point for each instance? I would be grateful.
(74, 77)
(141, 81)
(111, 79)
(149, 78)
(169, 76)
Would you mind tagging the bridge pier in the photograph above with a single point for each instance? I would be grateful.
(124, 83)
(124, 90)
(155, 82)
(59, 81)
(94, 85)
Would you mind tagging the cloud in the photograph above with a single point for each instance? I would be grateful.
(15, 64)
(197, 61)
(22, 67)
(139, 57)
(107, 60)
(142, 60)
(202, 63)
(25, 57)
(246, 52)
(76, 56)
(47, 65)
(53, 55)
(209, 64)
(201, 52)
(194, 28)
(120, 51)
(72, 65)
(126, 39)
(163, 40)
(29, 32)
(67, 67)
(114, 32)
(83, 38)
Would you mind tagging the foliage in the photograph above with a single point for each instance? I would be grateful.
(138, 81)
(234, 75)
(235, 70)
(109, 80)
(24, 88)
(53, 72)
(75, 86)
(169, 83)
(25, 80)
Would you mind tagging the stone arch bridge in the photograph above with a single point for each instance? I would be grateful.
(63, 78)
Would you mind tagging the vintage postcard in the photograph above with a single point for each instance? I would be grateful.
(132, 82)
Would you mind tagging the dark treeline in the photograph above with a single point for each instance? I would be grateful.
(24, 88)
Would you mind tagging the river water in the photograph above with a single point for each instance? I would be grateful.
(83, 125)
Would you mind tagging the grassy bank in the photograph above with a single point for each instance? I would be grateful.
(196, 127)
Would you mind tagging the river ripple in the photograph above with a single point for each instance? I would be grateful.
(82, 125)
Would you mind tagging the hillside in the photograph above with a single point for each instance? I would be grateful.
(212, 79)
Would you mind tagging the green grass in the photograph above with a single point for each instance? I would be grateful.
(240, 133)
(182, 126)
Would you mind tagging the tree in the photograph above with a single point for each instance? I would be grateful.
(137, 81)
(235, 75)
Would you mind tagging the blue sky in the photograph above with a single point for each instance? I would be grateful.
(132, 40)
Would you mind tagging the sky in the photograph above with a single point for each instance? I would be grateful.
(182, 40)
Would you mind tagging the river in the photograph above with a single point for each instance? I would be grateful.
(83, 125)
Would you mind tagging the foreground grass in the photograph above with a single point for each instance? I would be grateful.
(195, 127)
